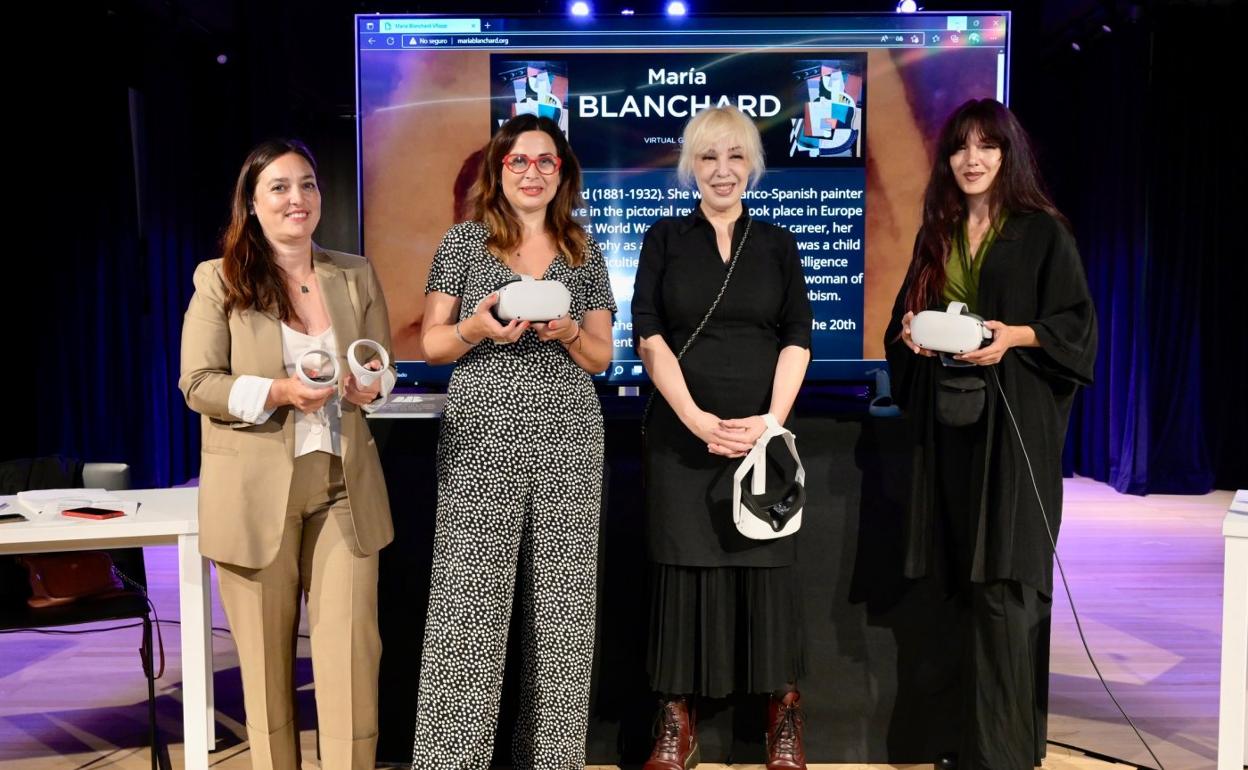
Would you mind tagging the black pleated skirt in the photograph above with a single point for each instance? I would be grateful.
(715, 631)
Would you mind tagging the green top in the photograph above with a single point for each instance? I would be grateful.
(961, 273)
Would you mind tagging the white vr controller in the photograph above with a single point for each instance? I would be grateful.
(531, 300)
(364, 375)
(955, 330)
(319, 369)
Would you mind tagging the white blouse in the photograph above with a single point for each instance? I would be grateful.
(320, 431)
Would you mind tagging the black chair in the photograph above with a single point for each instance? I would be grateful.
(16, 614)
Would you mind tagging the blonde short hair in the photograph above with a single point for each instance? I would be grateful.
(708, 127)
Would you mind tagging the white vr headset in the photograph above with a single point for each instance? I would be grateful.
(956, 330)
(531, 300)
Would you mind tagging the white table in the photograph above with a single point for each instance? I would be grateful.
(1233, 710)
(165, 516)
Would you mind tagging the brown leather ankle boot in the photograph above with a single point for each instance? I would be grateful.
(784, 733)
(676, 742)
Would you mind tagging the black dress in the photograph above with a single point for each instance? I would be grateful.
(975, 518)
(724, 614)
(1032, 275)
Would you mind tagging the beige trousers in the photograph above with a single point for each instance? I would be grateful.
(263, 609)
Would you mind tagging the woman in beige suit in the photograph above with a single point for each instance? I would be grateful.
(292, 499)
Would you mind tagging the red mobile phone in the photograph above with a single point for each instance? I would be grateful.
(92, 513)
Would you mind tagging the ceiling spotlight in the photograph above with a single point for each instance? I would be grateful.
(677, 8)
(579, 8)
(907, 6)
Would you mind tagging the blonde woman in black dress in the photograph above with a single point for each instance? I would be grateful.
(724, 609)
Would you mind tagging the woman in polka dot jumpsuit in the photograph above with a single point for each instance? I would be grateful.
(520, 463)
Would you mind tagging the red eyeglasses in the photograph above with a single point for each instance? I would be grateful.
(518, 163)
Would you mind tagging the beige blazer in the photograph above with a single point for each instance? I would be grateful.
(245, 472)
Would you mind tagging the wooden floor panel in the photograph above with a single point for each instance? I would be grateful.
(1146, 574)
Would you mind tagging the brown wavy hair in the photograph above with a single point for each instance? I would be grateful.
(490, 207)
(1017, 189)
(253, 279)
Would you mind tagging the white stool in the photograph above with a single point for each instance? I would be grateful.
(1233, 710)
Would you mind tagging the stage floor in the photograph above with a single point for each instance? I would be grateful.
(1146, 573)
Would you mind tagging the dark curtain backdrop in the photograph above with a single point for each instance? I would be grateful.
(1198, 234)
(146, 146)
(132, 137)
(1138, 129)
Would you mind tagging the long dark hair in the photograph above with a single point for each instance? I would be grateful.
(253, 278)
(490, 207)
(1017, 188)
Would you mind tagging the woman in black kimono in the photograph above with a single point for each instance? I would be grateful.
(986, 504)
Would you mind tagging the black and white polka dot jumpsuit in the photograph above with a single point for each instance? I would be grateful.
(520, 462)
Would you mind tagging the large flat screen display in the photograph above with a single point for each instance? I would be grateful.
(848, 107)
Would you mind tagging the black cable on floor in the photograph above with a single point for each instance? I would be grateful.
(1062, 571)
